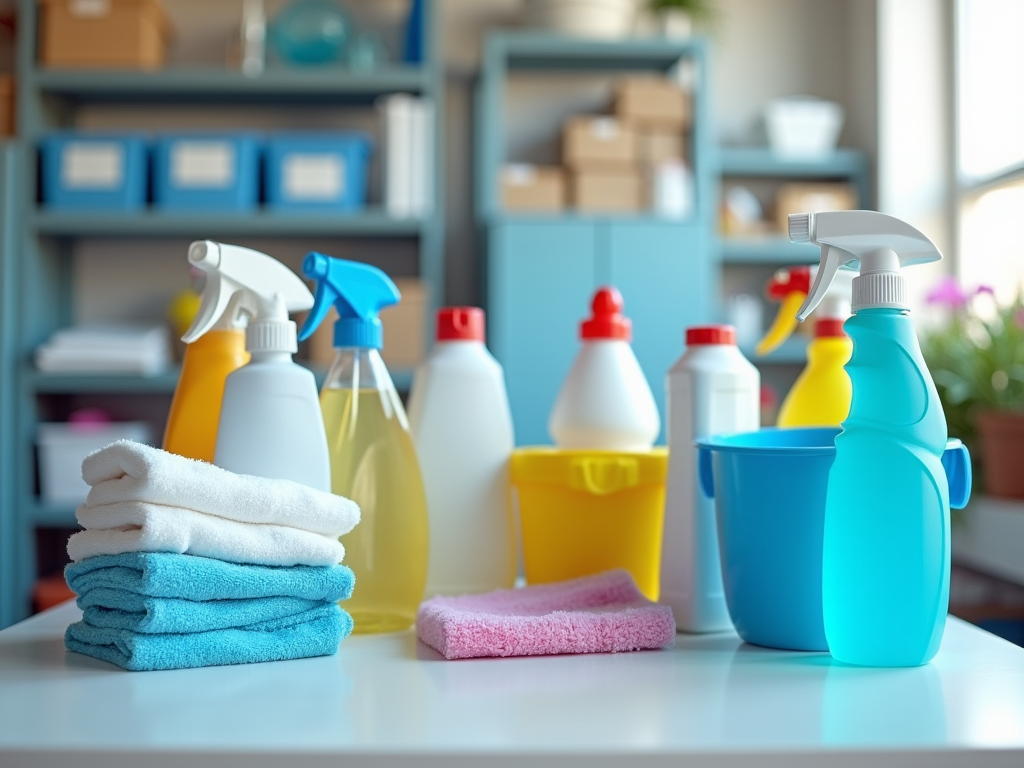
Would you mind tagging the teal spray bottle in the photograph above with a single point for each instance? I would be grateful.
(373, 457)
(886, 549)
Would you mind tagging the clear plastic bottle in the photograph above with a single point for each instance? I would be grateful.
(373, 462)
(373, 458)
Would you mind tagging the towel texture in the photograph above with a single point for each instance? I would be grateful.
(128, 471)
(162, 615)
(187, 577)
(135, 526)
(596, 614)
(317, 633)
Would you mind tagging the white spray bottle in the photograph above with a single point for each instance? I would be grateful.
(270, 420)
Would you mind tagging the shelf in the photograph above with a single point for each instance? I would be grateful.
(769, 251)
(989, 537)
(537, 50)
(54, 515)
(792, 351)
(284, 85)
(196, 225)
(75, 383)
(759, 161)
(574, 217)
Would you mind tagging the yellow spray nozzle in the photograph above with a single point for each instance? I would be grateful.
(784, 324)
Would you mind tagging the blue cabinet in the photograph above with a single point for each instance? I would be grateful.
(541, 277)
(665, 274)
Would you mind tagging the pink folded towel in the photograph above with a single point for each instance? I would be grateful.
(605, 613)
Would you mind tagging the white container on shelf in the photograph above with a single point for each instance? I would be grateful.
(609, 19)
(63, 447)
(712, 389)
(803, 128)
(461, 423)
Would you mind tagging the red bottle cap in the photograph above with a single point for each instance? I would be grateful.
(711, 334)
(460, 324)
(787, 281)
(607, 320)
(829, 328)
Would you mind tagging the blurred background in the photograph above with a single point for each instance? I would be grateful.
(509, 154)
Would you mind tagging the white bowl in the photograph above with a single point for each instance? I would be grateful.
(609, 19)
(803, 128)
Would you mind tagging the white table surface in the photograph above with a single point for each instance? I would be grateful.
(389, 700)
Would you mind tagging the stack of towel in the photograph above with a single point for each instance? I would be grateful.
(183, 564)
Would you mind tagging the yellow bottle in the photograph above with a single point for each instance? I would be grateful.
(822, 393)
(195, 409)
(373, 457)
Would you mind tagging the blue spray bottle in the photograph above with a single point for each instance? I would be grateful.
(886, 549)
(373, 458)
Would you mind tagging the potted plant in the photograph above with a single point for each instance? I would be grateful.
(976, 358)
(677, 17)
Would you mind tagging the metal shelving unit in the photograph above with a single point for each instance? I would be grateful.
(756, 163)
(38, 244)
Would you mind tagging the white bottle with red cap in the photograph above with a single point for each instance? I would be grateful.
(605, 402)
(462, 426)
(712, 389)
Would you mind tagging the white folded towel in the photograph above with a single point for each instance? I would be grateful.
(127, 471)
(134, 526)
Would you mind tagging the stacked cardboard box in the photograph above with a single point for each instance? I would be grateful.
(609, 161)
(128, 34)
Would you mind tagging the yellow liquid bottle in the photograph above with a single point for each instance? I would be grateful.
(821, 395)
(195, 410)
(374, 463)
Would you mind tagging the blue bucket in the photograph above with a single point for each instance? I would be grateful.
(769, 490)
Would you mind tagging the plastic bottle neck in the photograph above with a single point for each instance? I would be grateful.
(881, 311)
(271, 357)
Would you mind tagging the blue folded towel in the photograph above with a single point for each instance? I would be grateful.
(284, 638)
(188, 577)
(118, 609)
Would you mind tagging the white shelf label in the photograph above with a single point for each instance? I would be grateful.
(313, 177)
(92, 165)
(202, 164)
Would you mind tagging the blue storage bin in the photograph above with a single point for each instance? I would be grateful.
(207, 171)
(317, 171)
(97, 171)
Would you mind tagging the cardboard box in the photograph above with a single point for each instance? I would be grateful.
(660, 145)
(404, 330)
(532, 188)
(7, 90)
(608, 191)
(804, 197)
(598, 142)
(652, 101)
(124, 34)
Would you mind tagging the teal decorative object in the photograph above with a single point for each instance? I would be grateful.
(311, 32)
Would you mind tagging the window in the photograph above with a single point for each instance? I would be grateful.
(990, 144)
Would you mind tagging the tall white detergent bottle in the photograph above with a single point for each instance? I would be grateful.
(462, 426)
(605, 402)
(270, 419)
(712, 389)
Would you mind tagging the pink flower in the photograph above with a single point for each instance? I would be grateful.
(948, 293)
(1018, 318)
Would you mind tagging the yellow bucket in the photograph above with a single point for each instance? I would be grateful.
(584, 512)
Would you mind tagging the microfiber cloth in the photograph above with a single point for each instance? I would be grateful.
(129, 471)
(135, 526)
(117, 609)
(317, 633)
(605, 613)
(187, 577)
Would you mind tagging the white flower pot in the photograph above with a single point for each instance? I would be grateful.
(609, 19)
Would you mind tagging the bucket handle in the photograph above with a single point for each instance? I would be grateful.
(956, 460)
(601, 477)
(704, 470)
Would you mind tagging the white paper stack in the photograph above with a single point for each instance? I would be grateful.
(408, 155)
(132, 349)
